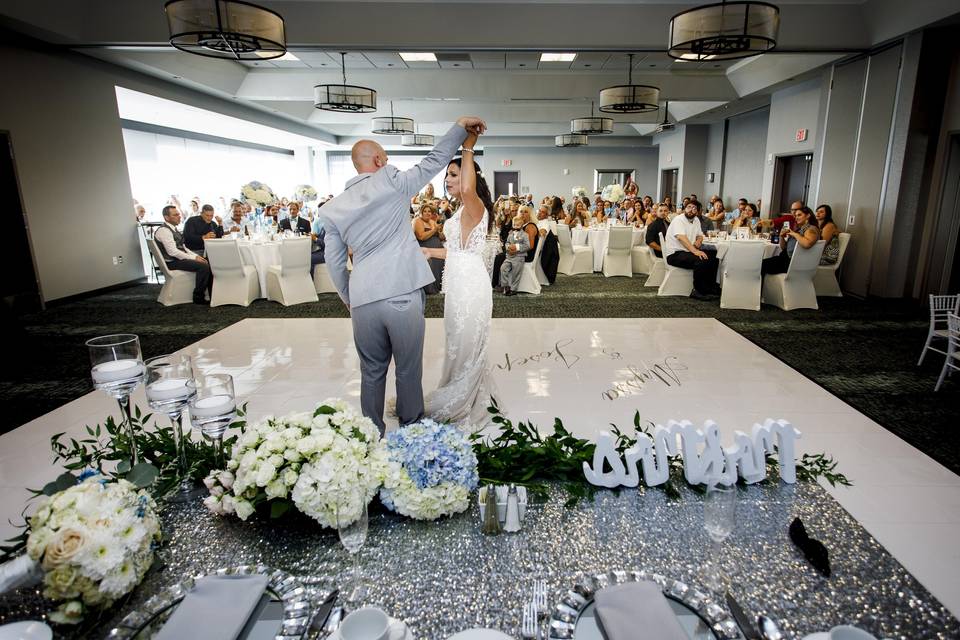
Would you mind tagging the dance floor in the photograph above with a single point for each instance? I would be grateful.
(590, 373)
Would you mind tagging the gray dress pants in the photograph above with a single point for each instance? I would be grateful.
(385, 329)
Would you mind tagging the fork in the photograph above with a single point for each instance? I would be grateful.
(540, 597)
(528, 626)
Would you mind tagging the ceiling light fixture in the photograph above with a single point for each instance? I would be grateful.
(419, 57)
(346, 98)
(227, 29)
(416, 140)
(630, 98)
(725, 31)
(391, 125)
(558, 57)
(592, 126)
(571, 140)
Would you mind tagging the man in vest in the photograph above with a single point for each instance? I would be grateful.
(178, 257)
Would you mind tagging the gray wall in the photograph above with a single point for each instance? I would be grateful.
(714, 163)
(744, 159)
(670, 156)
(542, 169)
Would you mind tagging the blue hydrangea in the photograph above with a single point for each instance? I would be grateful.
(432, 453)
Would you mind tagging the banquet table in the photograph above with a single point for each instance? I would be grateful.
(723, 246)
(598, 238)
(446, 576)
(260, 254)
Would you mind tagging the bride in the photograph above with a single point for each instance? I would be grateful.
(466, 386)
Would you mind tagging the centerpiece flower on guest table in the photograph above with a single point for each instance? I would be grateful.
(613, 193)
(304, 193)
(258, 193)
(579, 192)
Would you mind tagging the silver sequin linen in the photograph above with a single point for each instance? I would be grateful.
(446, 576)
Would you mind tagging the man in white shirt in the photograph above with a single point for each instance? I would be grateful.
(545, 223)
(682, 248)
(178, 257)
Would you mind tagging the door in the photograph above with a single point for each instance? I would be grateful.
(668, 184)
(19, 289)
(791, 182)
(506, 183)
(942, 272)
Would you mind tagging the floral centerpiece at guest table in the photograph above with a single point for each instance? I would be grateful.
(613, 193)
(94, 541)
(258, 193)
(579, 192)
(431, 471)
(304, 193)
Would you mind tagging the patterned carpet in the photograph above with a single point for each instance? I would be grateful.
(864, 352)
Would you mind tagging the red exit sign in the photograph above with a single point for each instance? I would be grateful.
(801, 135)
(507, 163)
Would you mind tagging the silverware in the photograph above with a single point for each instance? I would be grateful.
(323, 612)
(742, 619)
(540, 597)
(528, 625)
(768, 628)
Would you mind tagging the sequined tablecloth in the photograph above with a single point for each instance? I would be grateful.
(446, 576)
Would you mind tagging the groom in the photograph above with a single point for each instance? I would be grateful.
(384, 293)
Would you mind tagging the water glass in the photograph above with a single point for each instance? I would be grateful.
(170, 387)
(719, 519)
(116, 367)
(353, 535)
(213, 408)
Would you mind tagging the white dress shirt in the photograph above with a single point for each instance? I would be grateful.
(549, 224)
(680, 226)
(164, 237)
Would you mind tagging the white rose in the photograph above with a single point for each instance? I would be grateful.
(213, 503)
(265, 474)
(290, 477)
(276, 489)
(243, 508)
(226, 479)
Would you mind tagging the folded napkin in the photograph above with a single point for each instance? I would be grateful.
(634, 610)
(812, 549)
(19, 572)
(216, 608)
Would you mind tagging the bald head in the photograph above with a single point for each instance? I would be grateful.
(368, 156)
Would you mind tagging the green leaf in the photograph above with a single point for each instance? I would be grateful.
(143, 474)
(324, 410)
(123, 467)
(278, 508)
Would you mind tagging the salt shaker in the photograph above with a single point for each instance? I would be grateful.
(491, 523)
(512, 524)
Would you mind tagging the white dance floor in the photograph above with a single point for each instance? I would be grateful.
(589, 373)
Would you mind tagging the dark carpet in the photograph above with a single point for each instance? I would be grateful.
(864, 352)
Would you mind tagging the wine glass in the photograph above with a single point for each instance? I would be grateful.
(353, 534)
(170, 387)
(719, 519)
(213, 408)
(117, 368)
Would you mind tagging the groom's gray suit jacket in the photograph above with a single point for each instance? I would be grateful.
(372, 217)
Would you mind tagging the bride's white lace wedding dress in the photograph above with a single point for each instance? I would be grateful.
(466, 386)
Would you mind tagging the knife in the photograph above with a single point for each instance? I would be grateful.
(323, 612)
(743, 620)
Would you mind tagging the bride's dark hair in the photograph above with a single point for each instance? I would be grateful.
(483, 191)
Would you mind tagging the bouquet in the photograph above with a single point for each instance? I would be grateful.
(324, 461)
(304, 193)
(258, 193)
(613, 193)
(94, 542)
(579, 192)
(431, 471)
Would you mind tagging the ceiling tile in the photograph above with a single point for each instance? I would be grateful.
(489, 60)
(385, 60)
(353, 60)
(523, 60)
(590, 61)
(317, 59)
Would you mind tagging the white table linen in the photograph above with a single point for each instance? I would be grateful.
(261, 255)
(722, 246)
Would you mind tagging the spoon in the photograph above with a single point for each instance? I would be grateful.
(768, 628)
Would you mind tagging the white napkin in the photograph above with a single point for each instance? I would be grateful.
(216, 608)
(620, 609)
(19, 572)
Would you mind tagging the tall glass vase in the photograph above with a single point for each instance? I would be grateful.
(212, 410)
(170, 387)
(116, 367)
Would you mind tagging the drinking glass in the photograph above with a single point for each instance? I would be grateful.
(213, 408)
(117, 368)
(170, 387)
(352, 536)
(719, 519)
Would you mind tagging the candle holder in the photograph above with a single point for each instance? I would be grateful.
(170, 387)
(117, 368)
(212, 409)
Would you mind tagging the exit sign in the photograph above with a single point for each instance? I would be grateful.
(801, 135)
(507, 163)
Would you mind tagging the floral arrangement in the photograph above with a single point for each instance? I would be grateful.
(320, 461)
(258, 193)
(579, 192)
(613, 193)
(94, 542)
(431, 471)
(304, 193)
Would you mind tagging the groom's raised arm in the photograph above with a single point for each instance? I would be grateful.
(410, 182)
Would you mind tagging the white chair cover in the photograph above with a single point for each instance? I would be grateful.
(676, 281)
(321, 279)
(574, 259)
(618, 261)
(794, 289)
(233, 281)
(178, 286)
(641, 259)
(952, 362)
(741, 276)
(529, 283)
(289, 282)
(826, 282)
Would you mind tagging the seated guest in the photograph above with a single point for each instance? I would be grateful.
(600, 213)
(597, 203)
(545, 222)
(533, 233)
(657, 226)
(580, 215)
(558, 208)
(829, 233)
(178, 257)
(199, 228)
(506, 226)
(270, 213)
(237, 217)
(683, 240)
(747, 217)
(667, 200)
(788, 218)
(717, 216)
(636, 215)
(294, 222)
(648, 205)
(806, 236)
(429, 233)
(631, 189)
(517, 247)
(741, 203)
(444, 210)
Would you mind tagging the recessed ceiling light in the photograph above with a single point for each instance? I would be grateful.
(558, 57)
(419, 57)
(522, 64)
